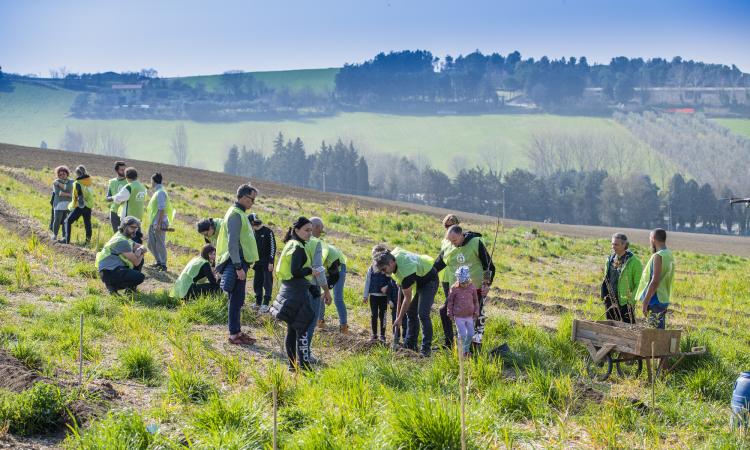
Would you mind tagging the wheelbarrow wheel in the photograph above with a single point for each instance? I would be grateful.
(599, 371)
(628, 368)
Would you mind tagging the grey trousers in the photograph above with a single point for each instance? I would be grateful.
(157, 244)
(57, 219)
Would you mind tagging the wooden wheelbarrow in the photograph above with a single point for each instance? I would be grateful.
(625, 346)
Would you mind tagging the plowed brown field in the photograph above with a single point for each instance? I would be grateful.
(36, 158)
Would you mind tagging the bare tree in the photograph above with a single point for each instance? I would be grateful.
(111, 144)
(179, 145)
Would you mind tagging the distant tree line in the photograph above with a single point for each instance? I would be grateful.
(420, 77)
(334, 168)
(571, 196)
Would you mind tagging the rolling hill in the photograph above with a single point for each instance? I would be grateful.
(34, 112)
(158, 373)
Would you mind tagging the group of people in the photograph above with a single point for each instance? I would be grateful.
(120, 260)
(628, 283)
(311, 271)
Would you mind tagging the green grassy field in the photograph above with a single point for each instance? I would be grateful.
(317, 80)
(738, 126)
(181, 385)
(31, 114)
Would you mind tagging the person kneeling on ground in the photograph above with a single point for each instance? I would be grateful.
(120, 256)
(463, 306)
(292, 305)
(197, 278)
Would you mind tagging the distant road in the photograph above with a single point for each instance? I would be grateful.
(36, 158)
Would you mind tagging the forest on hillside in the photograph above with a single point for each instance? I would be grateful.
(416, 81)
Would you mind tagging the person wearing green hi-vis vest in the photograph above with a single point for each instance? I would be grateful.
(113, 187)
(131, 200)
(655, 287)
(236, 252)
(622, 274)
(335, 264)
(198, 277)
(465, 248)
(209, 229)
(119, 259)
(410, 269)
(159, 214)
(81, 205)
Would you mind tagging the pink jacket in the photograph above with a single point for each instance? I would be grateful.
(463, 302)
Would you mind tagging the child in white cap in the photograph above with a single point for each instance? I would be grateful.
(463, 306)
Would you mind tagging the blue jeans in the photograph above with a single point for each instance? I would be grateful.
(236, 290)
(419, 314)
(338, 297)
(316, 304)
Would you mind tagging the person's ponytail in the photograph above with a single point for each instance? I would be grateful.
(289, 235)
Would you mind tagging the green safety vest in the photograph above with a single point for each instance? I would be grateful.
(185, 280)
(284, 265)
(444, 246)
(88, 196)
(628, 281)
(115, 184)
(310, 247)
(408, 263)
(135, 205)
(107, 250)
(153, 208)
(247, 238)
(218, 225)
(331, 254)
(466, 255)
(664, 291)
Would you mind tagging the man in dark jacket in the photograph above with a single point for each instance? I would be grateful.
(263, 280)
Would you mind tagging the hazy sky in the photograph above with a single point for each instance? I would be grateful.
(202, 37)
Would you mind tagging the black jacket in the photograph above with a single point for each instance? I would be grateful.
(266, 242)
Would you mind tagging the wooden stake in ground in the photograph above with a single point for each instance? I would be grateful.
(461, 385)
(275, 414)
(653, 380)
(80, 356)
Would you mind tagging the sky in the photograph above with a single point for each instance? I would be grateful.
(190, 37)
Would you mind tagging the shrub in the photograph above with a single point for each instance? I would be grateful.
(38, 410)
(27, 353)
(83, 270)
(123, 430)
(423, 423)
(189, 386)
(138, 362)
(228, 423)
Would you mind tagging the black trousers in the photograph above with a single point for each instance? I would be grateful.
(114, 220)
(84, 212)
(621, 313)
(378, 306)
(262, 283)
(297, 347)
(197, 290)
(444, 319)
(121, 278)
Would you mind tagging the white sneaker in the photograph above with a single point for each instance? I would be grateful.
(264, 308)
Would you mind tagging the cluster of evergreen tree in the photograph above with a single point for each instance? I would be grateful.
(418, 76)
(566, 196)
(571, 197)
(335, 168)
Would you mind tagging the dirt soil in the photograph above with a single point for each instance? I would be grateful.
(36, 158)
